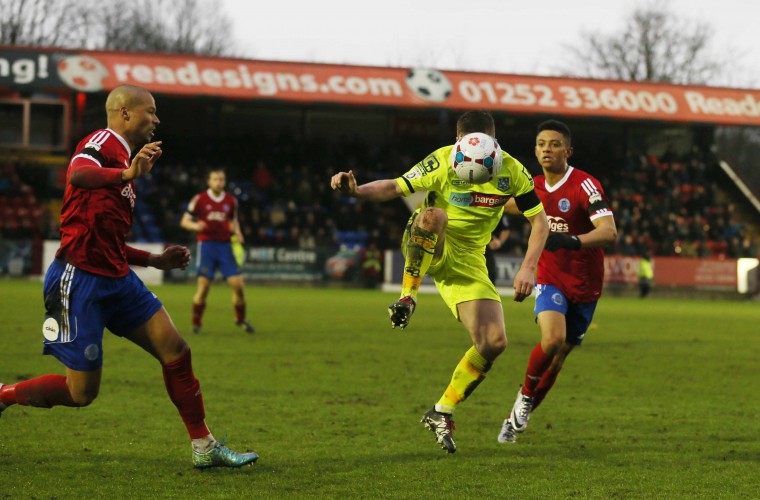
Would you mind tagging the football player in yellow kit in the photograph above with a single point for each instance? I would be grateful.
(446, 239)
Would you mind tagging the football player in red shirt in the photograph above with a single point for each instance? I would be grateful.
(90, 286)
(570, 269)
(213, 215)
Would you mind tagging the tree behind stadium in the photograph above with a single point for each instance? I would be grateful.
(656, 45)
(166, 26)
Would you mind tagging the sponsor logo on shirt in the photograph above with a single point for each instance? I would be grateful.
(220, 216)
(558, 224)
(428, 164)
(477, 199)
(129, 193)
(415, 173)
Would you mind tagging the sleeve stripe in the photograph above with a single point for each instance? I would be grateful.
(88, 157)
(408, 184)
(589, 187)
(100, 138)
(601, 213)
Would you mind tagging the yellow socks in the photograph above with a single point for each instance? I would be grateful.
(470, 372)
(420, 249)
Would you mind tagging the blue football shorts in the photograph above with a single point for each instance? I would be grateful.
(79, 305)
(578, 316)
(213, 255)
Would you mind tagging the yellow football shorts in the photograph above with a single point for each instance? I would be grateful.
(460, 275)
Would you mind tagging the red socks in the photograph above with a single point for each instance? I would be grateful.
(546, 383)
(42, 392)
(183, 388)
(240, 312)
(198, 314)
(538, 362)
(185, 392)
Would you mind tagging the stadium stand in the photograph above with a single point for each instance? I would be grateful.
(671, 205)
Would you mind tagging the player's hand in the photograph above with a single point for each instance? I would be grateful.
(345, 182)
(495, 244)
(523, 285)
(174, 257)
(143, 161)
(200, 225)
(555, 241)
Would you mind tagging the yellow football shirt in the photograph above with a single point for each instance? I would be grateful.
(473, 210)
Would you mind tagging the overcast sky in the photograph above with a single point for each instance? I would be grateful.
(500, 36)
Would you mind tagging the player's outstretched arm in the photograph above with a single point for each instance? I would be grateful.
(525, 277)
(382, 190)
(143, 161)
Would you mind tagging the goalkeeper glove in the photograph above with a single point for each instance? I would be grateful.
(555, 241)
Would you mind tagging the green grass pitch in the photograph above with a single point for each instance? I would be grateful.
(662, 401)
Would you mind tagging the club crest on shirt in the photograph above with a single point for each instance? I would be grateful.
(564, 205)
(503, 184)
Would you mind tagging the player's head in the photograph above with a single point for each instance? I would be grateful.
(553, 145)
(216, 179)
(475, 121)
(131, 112)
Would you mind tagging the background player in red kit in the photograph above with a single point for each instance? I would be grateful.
(213, 215)
(89, 286)
(570, 270)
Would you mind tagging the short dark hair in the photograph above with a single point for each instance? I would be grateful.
(476, 121)
(212, 170)
(556, 126)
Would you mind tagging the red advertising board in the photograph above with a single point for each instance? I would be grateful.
(674, 271)
(700, 273)
(91, 71)
(621, 270)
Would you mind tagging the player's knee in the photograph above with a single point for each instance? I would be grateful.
(433, 219)
(552, 344)
(492, 345)
(499, 344)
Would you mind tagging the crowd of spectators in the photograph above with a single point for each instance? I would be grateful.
(667, 206)
(670, 205)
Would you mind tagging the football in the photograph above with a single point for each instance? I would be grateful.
(476, 158)
(429, 84)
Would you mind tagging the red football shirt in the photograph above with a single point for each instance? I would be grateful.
(217, 212)
(95, 222)
(570, 208)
